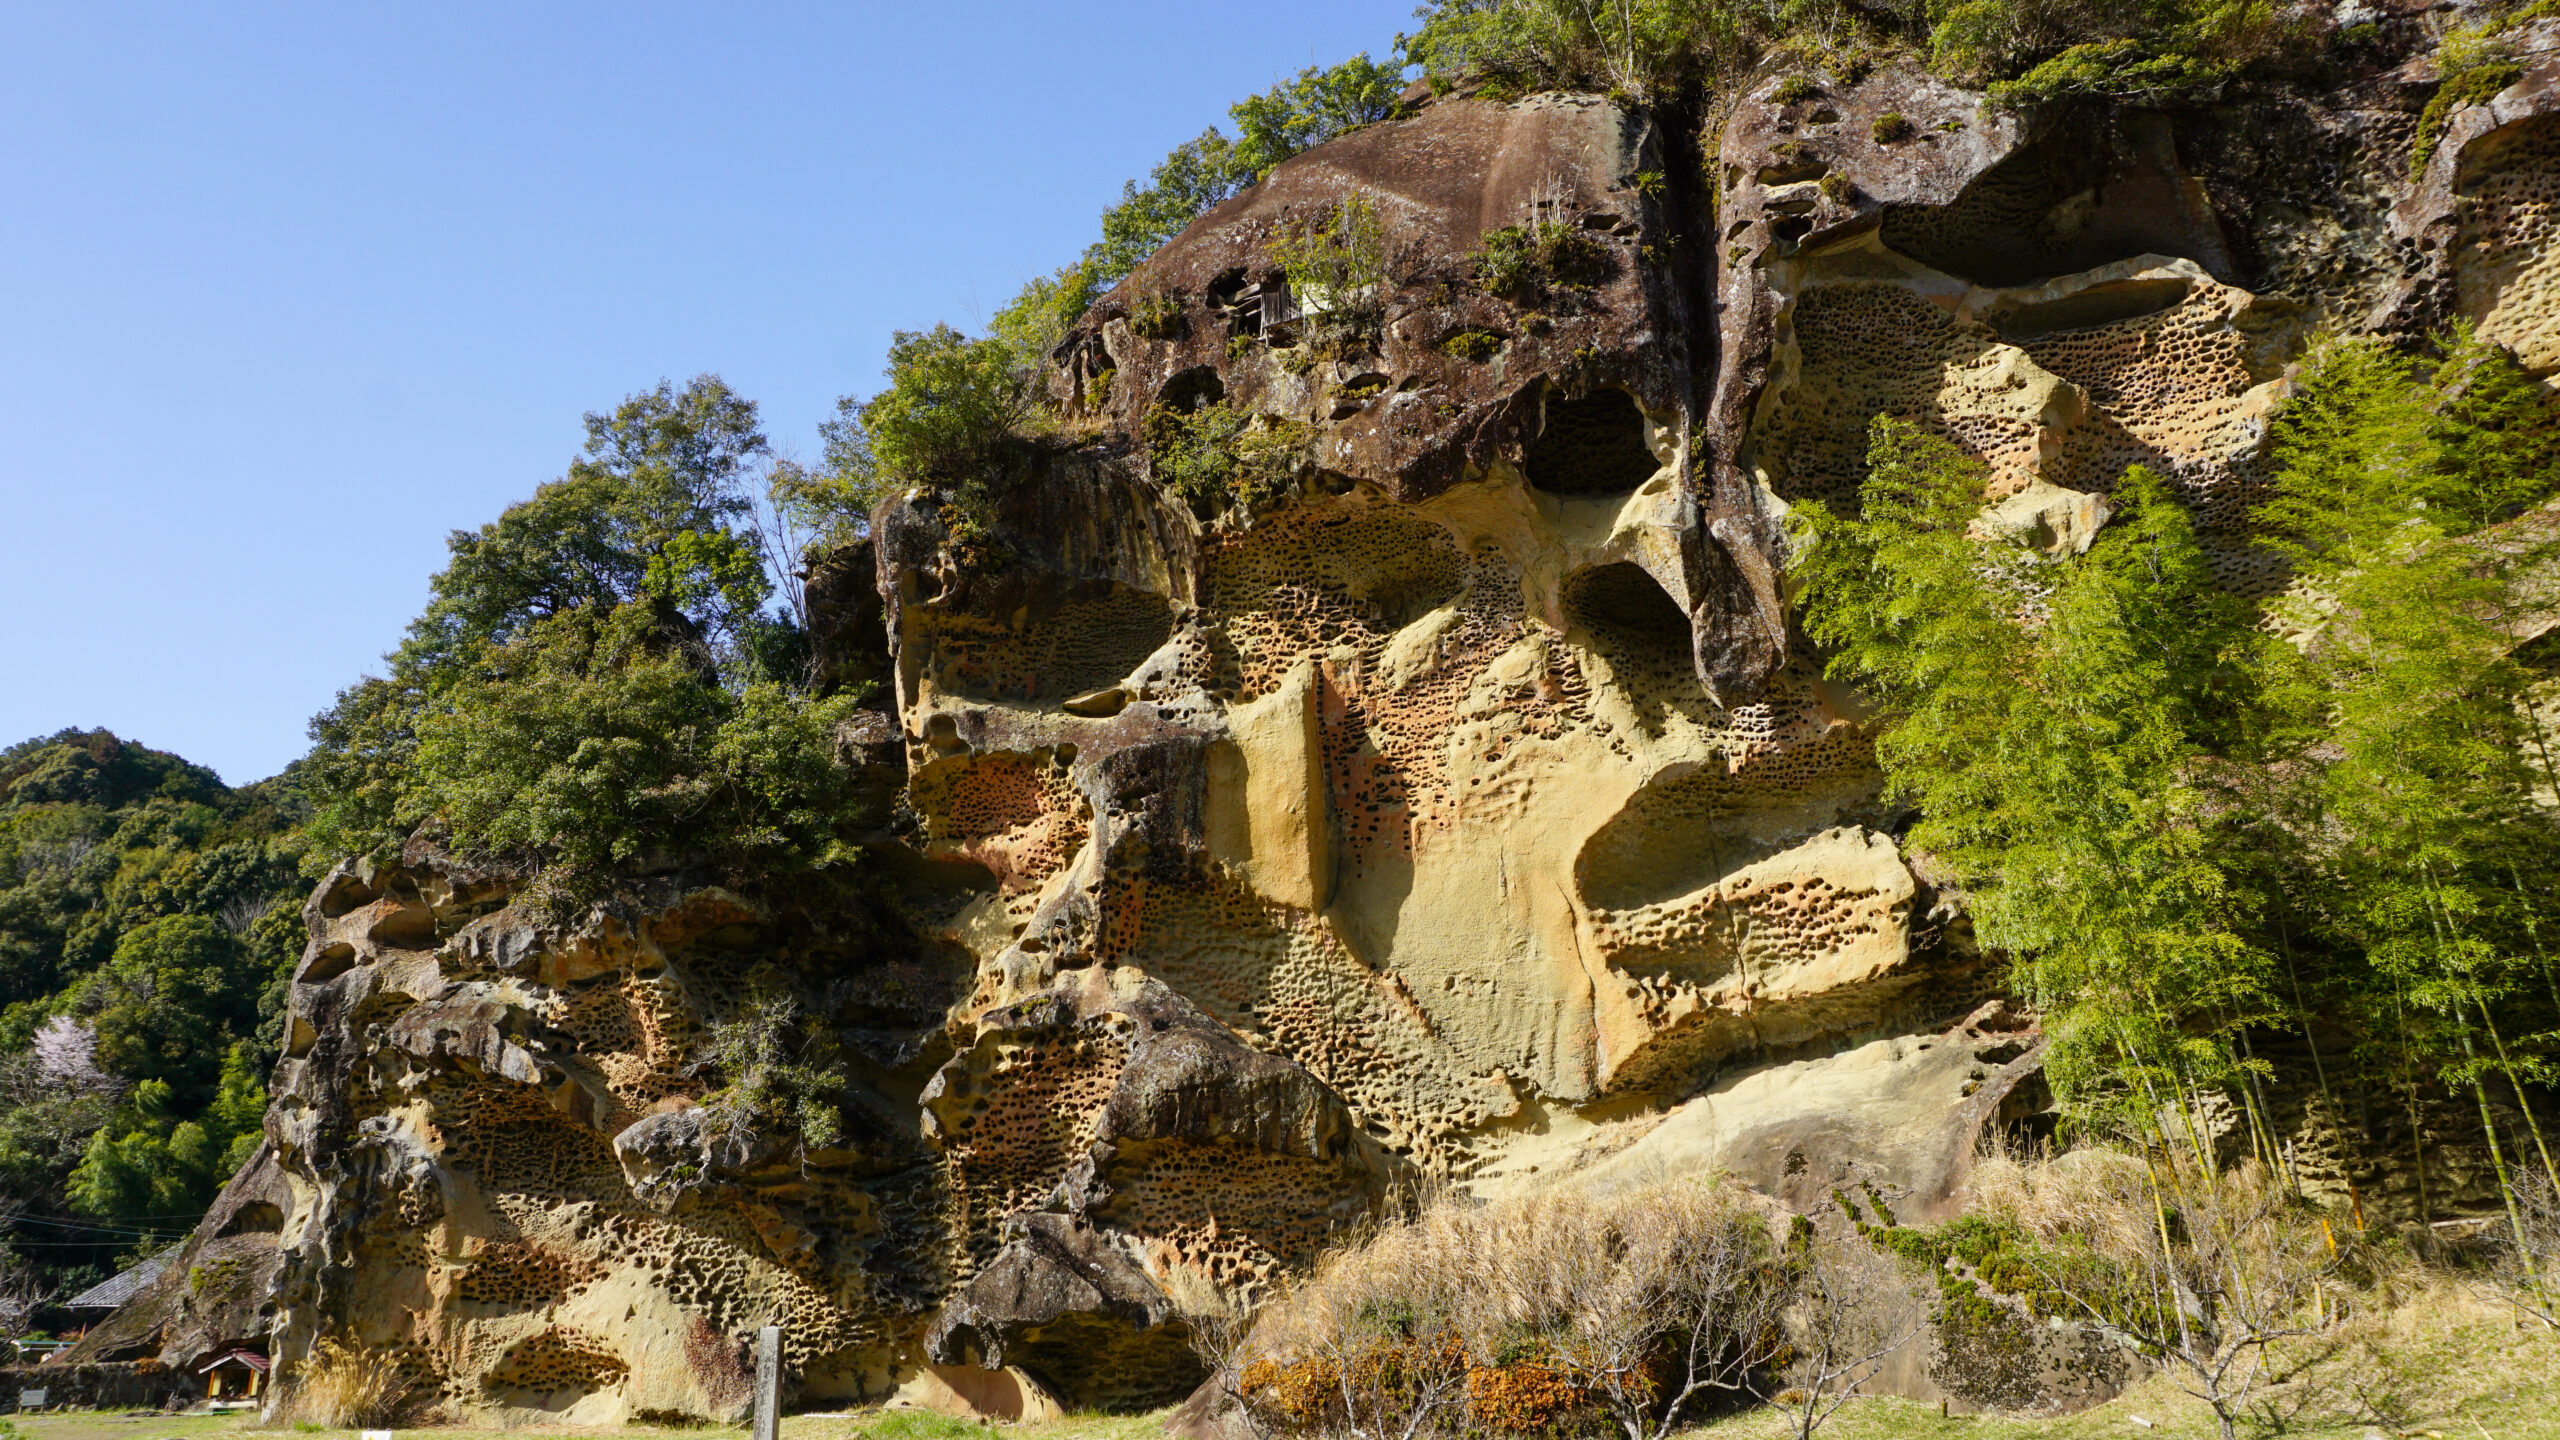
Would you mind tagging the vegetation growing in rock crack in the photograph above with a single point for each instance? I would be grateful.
(1217, 456)
(1523, 263)
(776, 1071)
(1335, 262)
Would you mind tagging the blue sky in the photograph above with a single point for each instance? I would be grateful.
(289, 292)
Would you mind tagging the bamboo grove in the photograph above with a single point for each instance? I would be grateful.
(2200, 827)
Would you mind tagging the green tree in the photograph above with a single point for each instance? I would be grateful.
(1198, 174)
(147, 913)
(590, 741)
(957, 414)
(150, 1164)
(1642, 49)
(2394, 657)
(168, 1005)
(237, 1117)
(2052, 720)
(1315, 106)
(651, 513)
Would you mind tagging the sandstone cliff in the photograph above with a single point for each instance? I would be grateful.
(1464, 811)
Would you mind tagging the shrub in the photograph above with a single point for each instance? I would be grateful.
(1892, 126)
(960, 416)
(2476, 84)
(1478, 345)
(1518, 262)
(1853, 1307)
(955, 409)
(1218, 456)
(1156, 315)
(1335, 261)
(2212, 1274)
(1555, 1313)
(1033, 322)
(777, 1068)
(2528, 1268)
(1795, 90)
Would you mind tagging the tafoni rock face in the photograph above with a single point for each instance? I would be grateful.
(1464, 813)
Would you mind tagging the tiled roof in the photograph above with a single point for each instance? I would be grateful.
(110, 1293)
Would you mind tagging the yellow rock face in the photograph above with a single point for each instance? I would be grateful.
(1465, 816)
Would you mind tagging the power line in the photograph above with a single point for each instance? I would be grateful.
(98, 1229)
(192, 1215)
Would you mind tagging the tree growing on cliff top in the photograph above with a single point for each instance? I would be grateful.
(597, 673)
(1316, 105)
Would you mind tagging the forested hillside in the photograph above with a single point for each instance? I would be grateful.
(149, 916)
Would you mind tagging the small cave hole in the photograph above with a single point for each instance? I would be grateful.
(345, 894)
(1192, 389)
(1591, 446)
(407, 928)
(1629, 618)
(255, 1218)
(329, 964)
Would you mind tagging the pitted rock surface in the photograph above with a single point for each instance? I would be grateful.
(1468, 813)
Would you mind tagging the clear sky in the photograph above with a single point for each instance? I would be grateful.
(287, 292)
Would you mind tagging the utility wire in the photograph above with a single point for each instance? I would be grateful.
(97, 1229)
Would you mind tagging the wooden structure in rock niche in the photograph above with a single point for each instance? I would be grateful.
(236, 1374)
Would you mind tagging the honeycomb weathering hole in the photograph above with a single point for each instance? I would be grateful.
(1591, 446)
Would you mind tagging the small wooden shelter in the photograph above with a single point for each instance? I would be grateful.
(233, 1374)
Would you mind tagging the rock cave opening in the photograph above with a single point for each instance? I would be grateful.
(1593, 445)
(2070, 201)
(1631, 621)
(1065, 639)
(1191, 389)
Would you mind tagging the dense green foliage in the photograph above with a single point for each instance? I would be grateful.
(1522, 263)
(962, 415)
(959, 416)
(2025, 50)
(1217, 456)
(149, 917)
(778, 1067)
(597, 675)
(2185, 817)
(2050, 722)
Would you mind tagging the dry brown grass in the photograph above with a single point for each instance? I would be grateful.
(1561, 1309)
(342, 1387)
